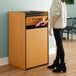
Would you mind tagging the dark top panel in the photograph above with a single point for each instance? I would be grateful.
(28, 13)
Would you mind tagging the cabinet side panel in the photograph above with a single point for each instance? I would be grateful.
(17, 39)
(10, 39)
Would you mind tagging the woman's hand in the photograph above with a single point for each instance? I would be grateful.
(50, 32)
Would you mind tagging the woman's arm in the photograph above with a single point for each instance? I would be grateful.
(51, 25)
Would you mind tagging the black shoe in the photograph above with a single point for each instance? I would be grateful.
(61, 68)
(55, 64)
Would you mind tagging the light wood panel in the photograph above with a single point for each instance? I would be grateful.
(37, 47)
(17, 39)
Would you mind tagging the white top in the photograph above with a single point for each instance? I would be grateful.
(58, 9)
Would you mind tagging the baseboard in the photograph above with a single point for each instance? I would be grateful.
(4, 61)
(52, 51)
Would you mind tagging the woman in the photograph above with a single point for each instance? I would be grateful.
(58, 23)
